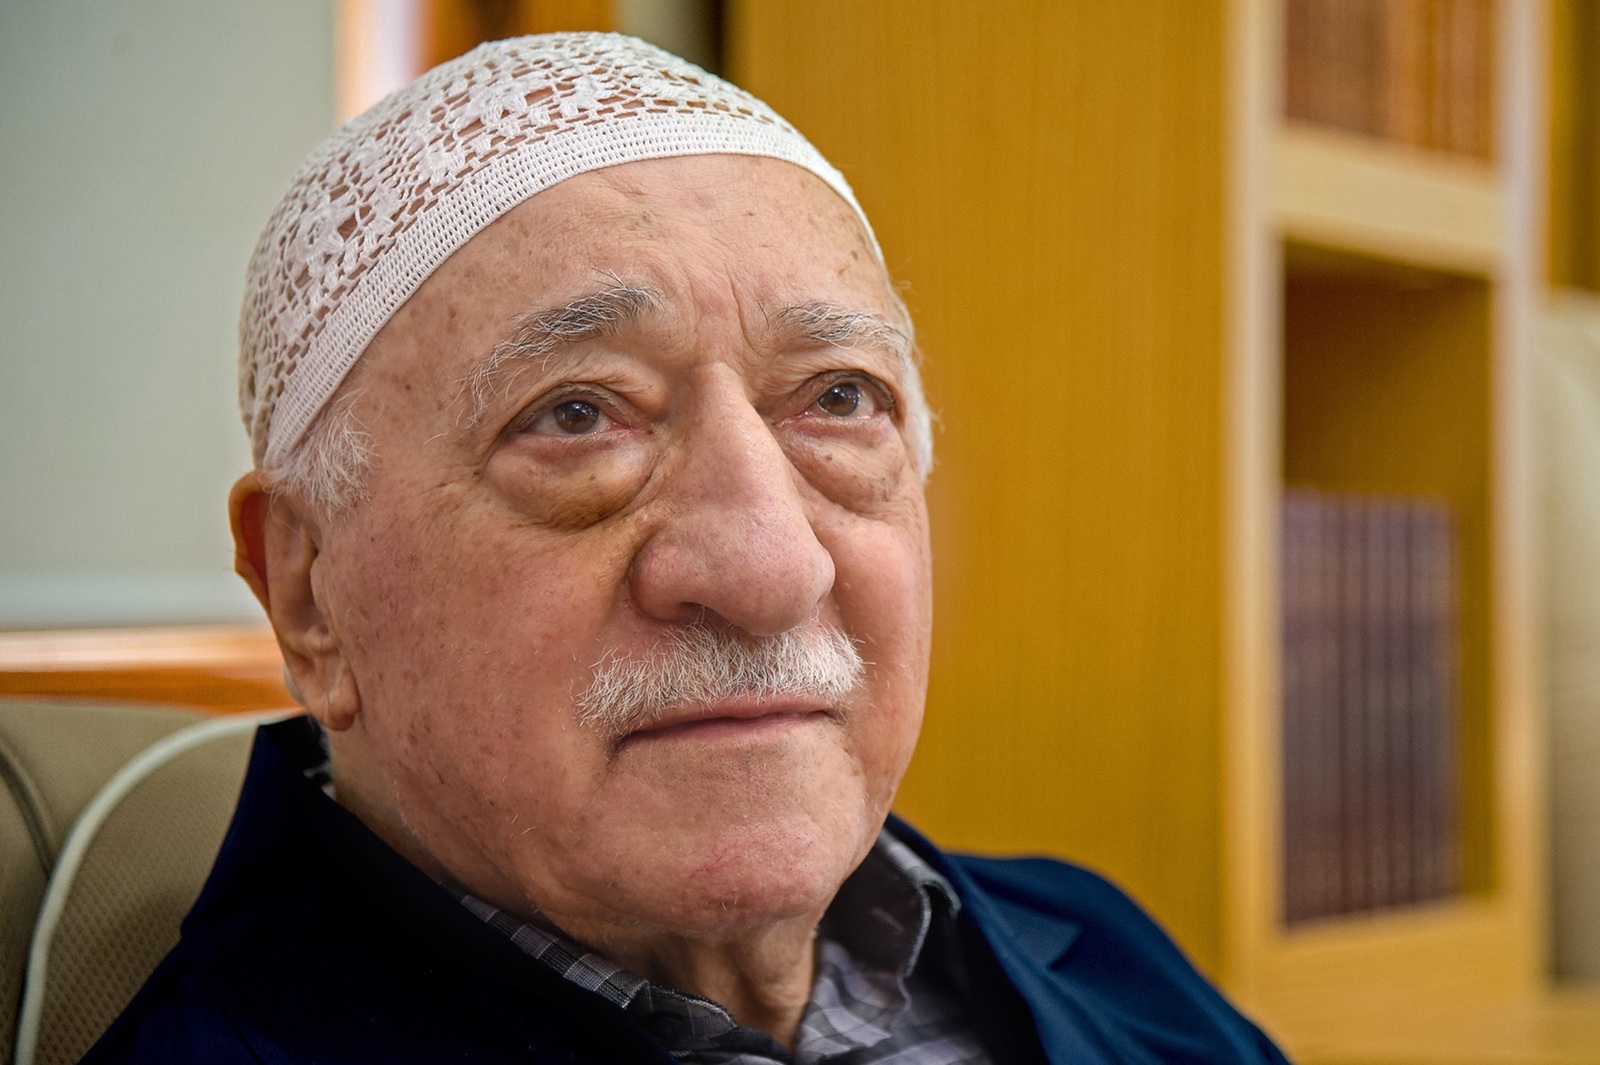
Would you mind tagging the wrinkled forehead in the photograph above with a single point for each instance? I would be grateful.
(704, 237)
(391, 195)
(773, 223)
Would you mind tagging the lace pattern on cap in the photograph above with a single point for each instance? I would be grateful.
(392, 193)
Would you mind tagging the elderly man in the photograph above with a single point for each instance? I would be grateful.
(588, 512)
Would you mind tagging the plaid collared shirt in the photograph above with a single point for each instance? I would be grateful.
(888, 986)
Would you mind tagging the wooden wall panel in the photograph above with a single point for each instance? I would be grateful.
(1573, 226)
(1046, 178)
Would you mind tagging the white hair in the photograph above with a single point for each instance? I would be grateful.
(329, 466)
(919, 417)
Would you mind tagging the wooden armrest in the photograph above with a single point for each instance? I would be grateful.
(222, 668)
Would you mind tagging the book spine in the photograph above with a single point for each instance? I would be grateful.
(1294, 600)
(1354, 884)
(1326, 798)
(1403, 695)
(1447, 710)
(1407, 70)
(1375, 709)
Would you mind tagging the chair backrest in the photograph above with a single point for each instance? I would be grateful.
(92, 908)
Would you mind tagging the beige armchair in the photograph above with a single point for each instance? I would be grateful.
(110, 816)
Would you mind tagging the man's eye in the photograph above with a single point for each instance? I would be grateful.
(575, 417)
(841, 400)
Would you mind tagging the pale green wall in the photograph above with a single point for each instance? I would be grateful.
(144, 143)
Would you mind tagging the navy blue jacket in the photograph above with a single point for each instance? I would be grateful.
(313, 941)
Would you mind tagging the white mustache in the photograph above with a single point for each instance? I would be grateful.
(705, 665)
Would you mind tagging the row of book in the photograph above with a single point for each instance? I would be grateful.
(1417, 72)
(1371, 679)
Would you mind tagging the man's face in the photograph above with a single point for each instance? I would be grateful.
(687, 425)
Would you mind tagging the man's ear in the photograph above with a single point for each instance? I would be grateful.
(277, 541)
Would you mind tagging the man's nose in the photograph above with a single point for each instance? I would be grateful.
(737, 540)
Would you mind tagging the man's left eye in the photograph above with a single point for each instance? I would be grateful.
(574, 417)
(848, 399)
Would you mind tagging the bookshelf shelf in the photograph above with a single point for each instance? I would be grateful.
(1386, 964)
(1561, 1028)
(1391, 202)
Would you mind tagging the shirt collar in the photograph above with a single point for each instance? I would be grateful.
(882, 912)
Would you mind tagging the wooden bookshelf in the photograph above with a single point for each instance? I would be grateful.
(1148, 305)
(1384, 326)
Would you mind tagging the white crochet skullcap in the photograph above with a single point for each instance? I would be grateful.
(392, 193)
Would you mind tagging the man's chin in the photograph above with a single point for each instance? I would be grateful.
(757, 891)
(741, 874)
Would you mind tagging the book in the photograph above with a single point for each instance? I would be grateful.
(1370, 703)
(1413, 72)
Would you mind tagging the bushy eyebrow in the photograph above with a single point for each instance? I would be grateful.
(539, 334)
(821, 323)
